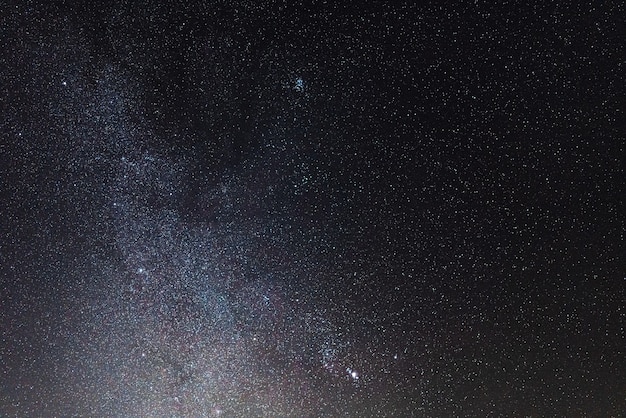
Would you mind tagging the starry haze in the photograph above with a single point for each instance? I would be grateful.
(311, 209)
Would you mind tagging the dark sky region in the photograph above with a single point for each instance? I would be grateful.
(312, 209)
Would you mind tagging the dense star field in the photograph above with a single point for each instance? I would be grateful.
(311, 209)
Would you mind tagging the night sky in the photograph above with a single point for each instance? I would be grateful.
(312, 209)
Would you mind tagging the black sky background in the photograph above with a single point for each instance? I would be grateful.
(225, 208)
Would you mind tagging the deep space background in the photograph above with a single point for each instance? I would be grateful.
(303, 209)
